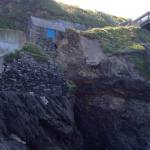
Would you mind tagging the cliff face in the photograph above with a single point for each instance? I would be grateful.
(114, 114)
(27, 122)
(36, 109)
(112, 98)
(108, 111)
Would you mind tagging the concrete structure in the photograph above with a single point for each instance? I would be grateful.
(11, 40)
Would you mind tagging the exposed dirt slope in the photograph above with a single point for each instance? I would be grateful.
(92, 51)
(83, 57)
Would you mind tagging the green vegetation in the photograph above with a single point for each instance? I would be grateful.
(15, 13)
(141, 65)
(36, 52)
(30, 49)
(12, 56)
(120, 39)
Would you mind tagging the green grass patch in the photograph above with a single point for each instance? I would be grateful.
(137, 46)
(141, 65)
(33, 49)
(39, 58)
(29, 49)
(36, 52)
(120, 39)
(15, 14)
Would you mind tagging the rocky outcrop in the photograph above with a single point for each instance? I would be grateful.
(35, 115)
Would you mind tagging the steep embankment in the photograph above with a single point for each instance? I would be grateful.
(15, 14)
(112, 97)
(113, 51)
(109, 110)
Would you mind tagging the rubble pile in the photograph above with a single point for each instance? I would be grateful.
(26, 75)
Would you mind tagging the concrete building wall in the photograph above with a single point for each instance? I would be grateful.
(11, 40)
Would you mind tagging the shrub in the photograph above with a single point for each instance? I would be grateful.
(31, 48)
(12, 56)
(137, 46)
(36, 52)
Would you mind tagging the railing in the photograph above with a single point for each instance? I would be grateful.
(143, 20)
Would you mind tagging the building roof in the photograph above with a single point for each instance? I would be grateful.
(59, 25)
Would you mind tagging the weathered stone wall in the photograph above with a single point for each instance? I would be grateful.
(11, 40)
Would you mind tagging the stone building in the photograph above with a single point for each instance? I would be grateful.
(45, 32)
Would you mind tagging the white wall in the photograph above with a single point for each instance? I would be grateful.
(11, 40)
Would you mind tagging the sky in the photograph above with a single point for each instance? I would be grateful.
(122, 8)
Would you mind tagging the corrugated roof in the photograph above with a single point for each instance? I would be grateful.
(59, 25)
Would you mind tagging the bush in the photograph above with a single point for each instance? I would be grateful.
(12, 56)
(33, 49)
(30, 49)
(36, 52)
(137, 46)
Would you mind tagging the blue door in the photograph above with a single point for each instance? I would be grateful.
(51, 33)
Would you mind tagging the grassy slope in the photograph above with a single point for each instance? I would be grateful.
(15, 13)
(120, 39)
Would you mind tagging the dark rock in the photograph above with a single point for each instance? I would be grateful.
(38, 113)
(11, 145)
(34, 112)
(26, 75)
(41, 126)
(114, 114)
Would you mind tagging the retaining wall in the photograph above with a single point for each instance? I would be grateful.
(11, 40)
